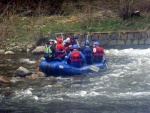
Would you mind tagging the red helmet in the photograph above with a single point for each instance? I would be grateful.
(59, 40)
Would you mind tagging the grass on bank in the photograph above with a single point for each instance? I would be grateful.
(25, 29)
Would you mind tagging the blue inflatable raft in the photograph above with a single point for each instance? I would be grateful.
(57, 68)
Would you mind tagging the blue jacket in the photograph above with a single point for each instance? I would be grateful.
(88, 52)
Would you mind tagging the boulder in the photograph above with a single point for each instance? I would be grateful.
(9, 52)
(38, 50)
(22, 72)
(29, 48)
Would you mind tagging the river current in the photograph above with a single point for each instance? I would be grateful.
(124, 87)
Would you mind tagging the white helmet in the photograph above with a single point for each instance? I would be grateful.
(55, 41)
(68, 40)
(52, 40)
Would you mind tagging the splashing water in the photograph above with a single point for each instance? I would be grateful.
(123, 88)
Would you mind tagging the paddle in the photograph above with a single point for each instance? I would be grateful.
(62, 36)
(94, 68)
(77, 42)
(87, 38)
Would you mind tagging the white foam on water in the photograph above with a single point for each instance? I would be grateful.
(1, 97)
(28, 61)
(111, 95)
(134, 61)
(36, 98)
(132, 95)
(128, 52)
(24, 94)
(48, 86)
(106, 85)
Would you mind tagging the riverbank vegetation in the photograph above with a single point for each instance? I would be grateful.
(33, 19)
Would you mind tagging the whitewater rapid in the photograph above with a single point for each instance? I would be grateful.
(124, 87)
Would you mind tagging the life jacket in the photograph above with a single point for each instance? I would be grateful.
(75, 57)
(48, 50)
(60, 48)
(48, 53)
(99, 51)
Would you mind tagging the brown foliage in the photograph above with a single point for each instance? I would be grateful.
(50, 7)
(144, 5)
(30, 7)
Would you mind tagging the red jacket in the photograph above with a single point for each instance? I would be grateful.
(60, 49)
(75, 57)
(99, 51)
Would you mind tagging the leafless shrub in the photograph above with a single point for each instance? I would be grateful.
(143, 6)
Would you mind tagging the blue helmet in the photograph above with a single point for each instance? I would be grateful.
(96, 43)
(75, 46)
(86, 44)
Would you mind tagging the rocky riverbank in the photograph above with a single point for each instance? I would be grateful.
(21, 72)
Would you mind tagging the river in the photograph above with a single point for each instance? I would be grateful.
(122, 88)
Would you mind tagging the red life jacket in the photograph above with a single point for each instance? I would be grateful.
(99, 51)
(75, 56)
(60, 47)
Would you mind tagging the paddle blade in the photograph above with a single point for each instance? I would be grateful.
(94, 68)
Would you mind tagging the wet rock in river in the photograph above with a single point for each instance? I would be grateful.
(9, 52)
(15, 79)
(4, 80)
(37, 75)
(38, 50)
(30, 47)
(41, 74)
(37, 63)
(22, 72)
(28, 61)
(33, 76)
(2, 51)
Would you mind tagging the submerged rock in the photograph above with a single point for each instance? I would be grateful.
(22, 72)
